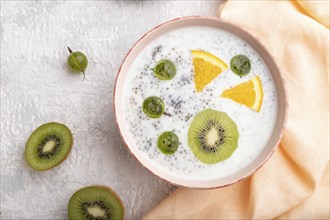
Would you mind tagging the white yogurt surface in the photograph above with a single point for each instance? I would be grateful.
(183, 103)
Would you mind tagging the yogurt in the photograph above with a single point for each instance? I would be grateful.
(182, 102)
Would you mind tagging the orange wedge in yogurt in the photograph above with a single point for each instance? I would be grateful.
(249, 93)
(206, 68)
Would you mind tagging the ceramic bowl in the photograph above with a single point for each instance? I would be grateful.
(256, 45)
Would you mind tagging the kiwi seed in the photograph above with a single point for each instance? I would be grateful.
(95, 203)
(212, 136)
(48, 146)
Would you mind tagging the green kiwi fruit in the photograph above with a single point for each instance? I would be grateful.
(95, 203)
(48, 146)
(212, 136)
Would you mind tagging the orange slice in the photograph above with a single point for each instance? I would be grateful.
(249, 93)
(206, 67)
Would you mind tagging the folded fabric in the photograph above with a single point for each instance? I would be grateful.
(294, 183)
(319, 10)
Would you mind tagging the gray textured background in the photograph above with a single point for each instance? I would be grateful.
(37, 87)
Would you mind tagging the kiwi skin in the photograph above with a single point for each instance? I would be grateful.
(59, 162)
(104, 188)
(114, 195)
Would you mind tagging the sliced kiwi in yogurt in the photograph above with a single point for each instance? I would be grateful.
(212, 136)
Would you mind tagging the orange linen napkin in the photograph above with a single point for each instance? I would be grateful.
(294, 183)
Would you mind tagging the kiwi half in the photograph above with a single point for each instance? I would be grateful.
(95, 203)
(212, 136)
(48, 146)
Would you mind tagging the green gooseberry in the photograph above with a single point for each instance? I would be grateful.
(77, 61)
(153, 107)
(168, 142)
(164, 69)
(240, 65)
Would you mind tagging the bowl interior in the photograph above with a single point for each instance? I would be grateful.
(257, 46)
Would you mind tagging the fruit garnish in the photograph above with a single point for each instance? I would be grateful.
(48, 146)
(153, 107)
(212, 136)
(77, 61)
(164, 69)
(240, 65)
(95, 202)
(249, 93)
(168, 142)
(206, 68)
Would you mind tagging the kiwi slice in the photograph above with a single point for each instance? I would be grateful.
(95, 202)
(48, 146)
(212, 136)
